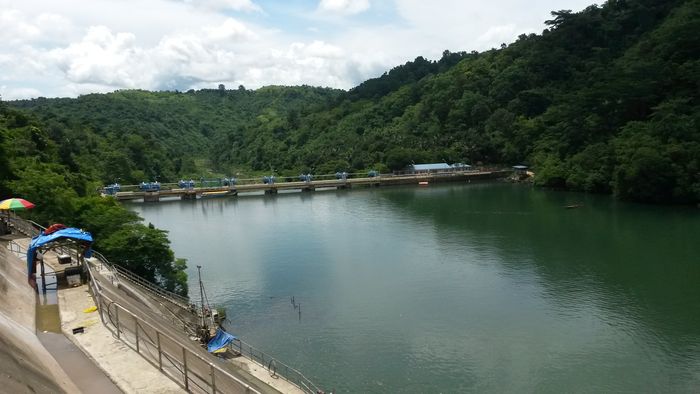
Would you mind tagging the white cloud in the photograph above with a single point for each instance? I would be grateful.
(101, 57)
(477, 25)
(343, 7)
(19, 28)
(228, 53)
(495, 34)
(235, 5)
(18, 93)
(70, 47)
(16, 28)
(231, 29)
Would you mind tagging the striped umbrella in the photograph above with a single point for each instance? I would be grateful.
(15, 204)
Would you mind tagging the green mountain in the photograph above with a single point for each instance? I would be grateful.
(604, 100)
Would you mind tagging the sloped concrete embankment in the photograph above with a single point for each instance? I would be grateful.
(25, 365)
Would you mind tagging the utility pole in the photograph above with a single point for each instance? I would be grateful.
(201, 292)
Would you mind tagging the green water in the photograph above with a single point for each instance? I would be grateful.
(454, 288)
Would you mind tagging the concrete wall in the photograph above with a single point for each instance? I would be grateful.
(27, 367)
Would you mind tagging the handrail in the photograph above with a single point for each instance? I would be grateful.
(153, 289)
(290, 374)
(181, 301)
(16, 248)
(173, 297)
(32, 229)
(274, 366)
(118, 324)
(26, 227)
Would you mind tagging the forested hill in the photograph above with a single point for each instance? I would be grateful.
(137, 135)
(604, 100)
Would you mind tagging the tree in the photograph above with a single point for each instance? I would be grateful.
(102, 217)
(645, 175)
(46, 186)
(145, 251)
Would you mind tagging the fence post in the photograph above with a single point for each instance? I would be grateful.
(160, 354)
(213, 379)
(184, 368)
(116, 317)
(136, 332)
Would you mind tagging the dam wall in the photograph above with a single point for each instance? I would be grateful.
(26, 365)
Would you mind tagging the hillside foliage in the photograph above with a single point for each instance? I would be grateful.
(34, 165)
(604, 100)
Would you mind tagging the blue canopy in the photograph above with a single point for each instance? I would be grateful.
(221, 339)
(42, 239)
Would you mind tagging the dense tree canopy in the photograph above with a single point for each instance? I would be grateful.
(33, 166)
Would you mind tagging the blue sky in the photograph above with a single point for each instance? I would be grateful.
(63, 48)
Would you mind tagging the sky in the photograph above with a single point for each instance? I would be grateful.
(65, 48)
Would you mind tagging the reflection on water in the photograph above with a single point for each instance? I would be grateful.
(452, 288)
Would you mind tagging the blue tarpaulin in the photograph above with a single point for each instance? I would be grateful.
(221, 339)
(42, 239)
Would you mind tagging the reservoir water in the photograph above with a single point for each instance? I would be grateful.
(453, 288)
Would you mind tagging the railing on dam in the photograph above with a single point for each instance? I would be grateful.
(175, 298)
(148, 341)
(274, 366)
(188, 369)
(29, 228)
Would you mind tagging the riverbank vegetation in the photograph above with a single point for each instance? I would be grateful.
(33, 165)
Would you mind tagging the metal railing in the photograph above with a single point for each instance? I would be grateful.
(188, 369)
(177, 299)
(16, 248)
(32, 229)
(23, 226)
(274, 366)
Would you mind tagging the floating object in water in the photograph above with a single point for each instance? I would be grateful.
(572, 206)
(423, 183)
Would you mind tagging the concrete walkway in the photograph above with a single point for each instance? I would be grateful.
(25, 364)
(83, 372)
(120, 368)
(130, 372)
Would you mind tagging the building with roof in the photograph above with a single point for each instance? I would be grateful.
(437, 167)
